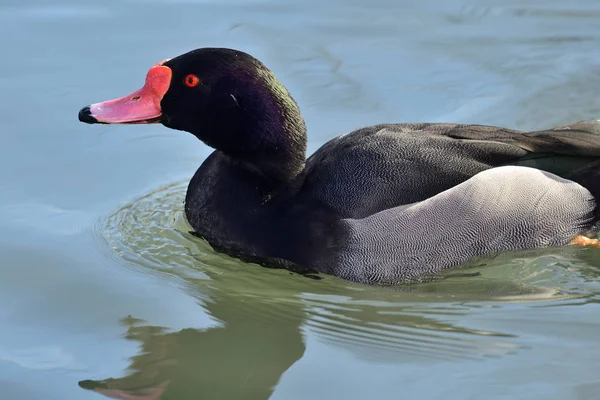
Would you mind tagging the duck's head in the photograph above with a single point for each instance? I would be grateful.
(226, 98)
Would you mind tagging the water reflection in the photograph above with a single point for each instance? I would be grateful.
(263, 314)
(243, 359)
(260, 338)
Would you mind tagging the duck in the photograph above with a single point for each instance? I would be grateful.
(384, 204)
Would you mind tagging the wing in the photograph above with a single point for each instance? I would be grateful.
(501, 209)
(384, 166)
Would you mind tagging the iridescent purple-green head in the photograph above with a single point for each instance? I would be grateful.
(226, 98)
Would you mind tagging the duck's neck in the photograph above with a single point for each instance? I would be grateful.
(281, 158)
(276, 132)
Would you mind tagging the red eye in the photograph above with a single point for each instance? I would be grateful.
(191, 80)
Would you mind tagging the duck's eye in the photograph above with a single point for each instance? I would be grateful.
(191, 80)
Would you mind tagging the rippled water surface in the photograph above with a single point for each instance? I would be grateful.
(104, 292)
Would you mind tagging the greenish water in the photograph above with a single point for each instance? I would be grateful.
(104, 292)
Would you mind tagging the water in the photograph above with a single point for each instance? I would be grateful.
(105, 293)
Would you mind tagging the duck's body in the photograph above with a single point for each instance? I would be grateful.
(381, 204)
(370, 225)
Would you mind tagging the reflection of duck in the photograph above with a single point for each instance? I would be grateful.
(381, 204)
(260, 339)
(244, 359)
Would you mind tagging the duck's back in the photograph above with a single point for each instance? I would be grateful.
(384, 166)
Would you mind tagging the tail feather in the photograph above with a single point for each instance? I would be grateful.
(588, 177)
(576, 154)
(563, 150)
(579, 139)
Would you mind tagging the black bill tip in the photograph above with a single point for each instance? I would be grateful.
(85, 115)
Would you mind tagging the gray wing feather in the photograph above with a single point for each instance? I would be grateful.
(500, 209)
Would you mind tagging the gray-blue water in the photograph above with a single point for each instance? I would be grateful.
(101, 285)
